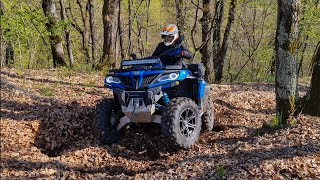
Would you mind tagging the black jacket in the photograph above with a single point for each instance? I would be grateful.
(162, 48)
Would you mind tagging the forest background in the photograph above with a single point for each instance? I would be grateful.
(248, 26)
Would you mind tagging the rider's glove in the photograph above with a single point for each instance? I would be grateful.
(181, 54)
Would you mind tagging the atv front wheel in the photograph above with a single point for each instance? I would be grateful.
(181, 122)
(106, 120)
(208, 116)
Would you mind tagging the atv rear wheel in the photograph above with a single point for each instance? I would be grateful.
(208, 116)
(181, 122)
(107, 117)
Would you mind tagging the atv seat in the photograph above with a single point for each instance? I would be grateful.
(197, 70)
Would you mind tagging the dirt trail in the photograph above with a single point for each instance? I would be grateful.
(45, 133)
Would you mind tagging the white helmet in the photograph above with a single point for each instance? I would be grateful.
(170, 30)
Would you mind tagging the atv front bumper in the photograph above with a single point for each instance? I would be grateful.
(139, 106)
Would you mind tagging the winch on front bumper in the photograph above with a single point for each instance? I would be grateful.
(139, 106)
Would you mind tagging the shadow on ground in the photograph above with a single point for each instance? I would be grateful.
(66, 126)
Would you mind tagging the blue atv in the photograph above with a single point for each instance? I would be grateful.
(148, 90)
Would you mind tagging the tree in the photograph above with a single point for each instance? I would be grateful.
(216, 40)
(67, 33)
(8, 60)
(286, 59)
(120, 34)
(220, 49)
(181, 16)
(50, 12)
(205, 51)
(313, 98)
(92, 30)
(82, 31)
(110, 16)
(1, 37)
(220, 56)
(129, 27)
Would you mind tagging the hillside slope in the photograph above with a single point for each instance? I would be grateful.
(45, 133)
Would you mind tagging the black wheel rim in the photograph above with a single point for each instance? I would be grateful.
(187, 122)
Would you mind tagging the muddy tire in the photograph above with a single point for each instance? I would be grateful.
(105, 123)
(208, 116)
(181, 122)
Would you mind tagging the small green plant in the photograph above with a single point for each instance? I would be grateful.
(293, 121)
(105, 70)
(259, 132)
(268, 127)
(276, 121)
(19, 72)
(220, 171)
(46, 91)
(292, 102)
(67, 72)
(269, 78)
(90, 83)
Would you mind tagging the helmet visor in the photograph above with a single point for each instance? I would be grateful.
(167, 38)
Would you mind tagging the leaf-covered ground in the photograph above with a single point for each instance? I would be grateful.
(46, 133)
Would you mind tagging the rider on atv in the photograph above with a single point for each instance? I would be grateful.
(170, 36)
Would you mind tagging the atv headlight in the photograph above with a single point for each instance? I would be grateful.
(172, 76)
(110, 79)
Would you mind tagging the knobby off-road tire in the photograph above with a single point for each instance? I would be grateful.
(179, 115)
(208, 116)
(105, 123)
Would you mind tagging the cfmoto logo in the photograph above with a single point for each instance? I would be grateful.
(136, 72)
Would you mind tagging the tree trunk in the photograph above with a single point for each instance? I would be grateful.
(205, 51)
(181, 16)
(2, 61)
(50, 12)
(148, 19)
(286, 59)
(67, 33)
(120, 34)
(9, 54)
(129, 28)
(217, 32)
(223, 50)
(93, 31)
(312, 104)
(83, 31)
(302, 56)
(118, 40)
(110, 16)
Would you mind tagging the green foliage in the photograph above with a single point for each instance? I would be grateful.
(279, 121)
(276, 121)
(220, 171)
(292, 102)
(45, 91)
(91, 84)
(105, 70)
(258, 132)
(293, 121)
(310, 19)
(268, 127)
(268, 78)
(67, 72)
(23, 25)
